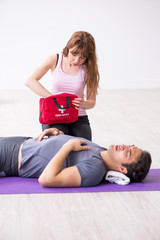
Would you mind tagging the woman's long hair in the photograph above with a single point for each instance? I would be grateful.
(84, 43)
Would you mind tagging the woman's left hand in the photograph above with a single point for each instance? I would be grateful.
(78, 103)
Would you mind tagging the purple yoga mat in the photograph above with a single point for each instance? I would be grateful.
(18, 185)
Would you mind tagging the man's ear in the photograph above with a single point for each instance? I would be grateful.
(122, 169)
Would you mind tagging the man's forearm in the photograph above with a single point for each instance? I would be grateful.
(55, 165)
(54, 176)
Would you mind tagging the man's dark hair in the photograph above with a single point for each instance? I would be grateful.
(137, 171)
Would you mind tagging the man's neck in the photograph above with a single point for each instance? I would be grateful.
(106, 159)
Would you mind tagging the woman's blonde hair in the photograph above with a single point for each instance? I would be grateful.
(84, 43)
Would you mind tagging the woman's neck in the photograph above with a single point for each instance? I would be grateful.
(68, 68)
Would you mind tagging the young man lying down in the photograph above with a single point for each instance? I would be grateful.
(66, 161)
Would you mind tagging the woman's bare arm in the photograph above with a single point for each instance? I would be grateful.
(33, 81)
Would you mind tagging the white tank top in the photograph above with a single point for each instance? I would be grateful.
(65, 83)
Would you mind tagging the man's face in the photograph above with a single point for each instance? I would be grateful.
(119, 154)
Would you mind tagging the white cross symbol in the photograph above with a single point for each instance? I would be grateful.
(62, 110)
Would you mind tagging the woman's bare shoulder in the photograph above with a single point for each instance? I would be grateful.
(51, 60)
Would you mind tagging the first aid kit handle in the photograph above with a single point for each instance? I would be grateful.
(61, 107)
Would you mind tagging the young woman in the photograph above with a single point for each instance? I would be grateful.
(73, 71)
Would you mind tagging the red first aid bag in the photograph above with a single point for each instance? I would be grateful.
(57, 109)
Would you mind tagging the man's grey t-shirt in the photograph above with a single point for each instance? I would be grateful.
(36, 155)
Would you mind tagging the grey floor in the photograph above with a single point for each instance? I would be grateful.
(120, 116)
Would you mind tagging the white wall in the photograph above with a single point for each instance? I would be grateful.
(127, 34)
